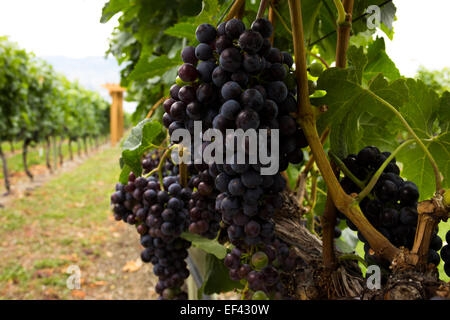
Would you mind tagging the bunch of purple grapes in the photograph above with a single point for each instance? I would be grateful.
(160, 215)
(235, 79)
(262, 269)
(392, 205)
(445, 254)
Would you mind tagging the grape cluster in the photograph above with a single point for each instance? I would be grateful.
(160, 215)
(392, 205)
(262, 269)
(205, 220)
(235, 79)
(445, 254)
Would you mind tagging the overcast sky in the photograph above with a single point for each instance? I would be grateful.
(71, 28)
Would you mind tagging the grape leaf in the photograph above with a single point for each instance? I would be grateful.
(379, 61)
(348, 101)
(428, 116)
(148, 68)
(143, 137)
(182, 30)
(207, 245)
(217, 277)
(112, 7)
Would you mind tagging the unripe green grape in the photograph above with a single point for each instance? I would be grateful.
(260, 260)
(180, 82)
(315, 69)
(290, 81)
(260, 295)
(447, 198)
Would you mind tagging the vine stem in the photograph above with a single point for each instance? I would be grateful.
(341, 11)
(373, 181)
(155, 106)
(437, 174)
(286, 27)
(225, 12)
(344, 27)
(159, 168)
(262, 8)
(328, 223)
(346, 171)
(306, 118)
(235, 8)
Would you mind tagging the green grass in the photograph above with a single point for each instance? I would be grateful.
(15, 273)
(36, 155)
(49, 263)
(61, 219)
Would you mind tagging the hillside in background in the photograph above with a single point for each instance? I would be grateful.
(91, 72)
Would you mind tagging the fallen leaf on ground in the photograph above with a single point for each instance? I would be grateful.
(78, 294)
(132, 266)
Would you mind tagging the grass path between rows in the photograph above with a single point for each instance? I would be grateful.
(67, 222)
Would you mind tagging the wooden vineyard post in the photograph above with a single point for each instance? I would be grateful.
(116, 122)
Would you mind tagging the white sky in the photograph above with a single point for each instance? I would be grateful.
(68, 28)
(71, 28)
(421, 35)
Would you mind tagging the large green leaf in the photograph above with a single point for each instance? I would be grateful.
(217, 279)
(143, 137)
(182, 30)
(379, 61)
(349, 103)
(207, 245)
(148, 68)
(429, 118)
(112, 7)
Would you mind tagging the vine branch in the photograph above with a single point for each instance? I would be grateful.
(262, 8)
(341, 200)
(235, 8)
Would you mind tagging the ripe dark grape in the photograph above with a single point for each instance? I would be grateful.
(230, 59)
(203, 51)
(253, 99)
(247, 119)
(220, 77)
(251, 41)
(188, 55)
(277, 91)
(205, 33)
(187, 73)
(252, 63)
(230, 109)
(234, 28)
(222, 43)
(263, 26)
(205, 70)
(186, 94)
(231, 90)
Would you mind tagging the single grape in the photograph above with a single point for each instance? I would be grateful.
(263, 26)
(316, 69)
(205, 33)
(188, 55)
(234, 28)
(187, 73)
